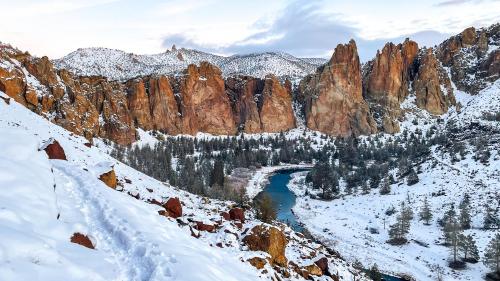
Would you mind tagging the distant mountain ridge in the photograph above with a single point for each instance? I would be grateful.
(120, 65)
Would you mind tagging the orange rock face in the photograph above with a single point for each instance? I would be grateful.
(386, 82)
(261, 105)
(109, 179)
(205, 106)
(163, 105)
(334, 100)
(138, 104)
(432, 86)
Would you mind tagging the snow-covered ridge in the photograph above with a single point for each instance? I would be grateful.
(119, 65)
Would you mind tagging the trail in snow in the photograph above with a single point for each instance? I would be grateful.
(137, 258)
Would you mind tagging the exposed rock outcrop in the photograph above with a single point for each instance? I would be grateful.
(205, 106)
(432, 86)
(261, 105)
(472, 65)
(387, 80)
(333, 96)
(268, 239)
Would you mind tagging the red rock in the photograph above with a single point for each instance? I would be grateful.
(237, 214)
(82, 240)
(430, 81)
(88, 144)
(334, 103)
(322, 264)
(226, 216)
(54, 150)
(173, 207)
(204, 227)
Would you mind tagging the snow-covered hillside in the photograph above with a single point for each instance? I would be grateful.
(44, 202)
(357, 225)
(119, 65)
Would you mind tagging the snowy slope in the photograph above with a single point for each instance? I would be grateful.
(45, 201)
(119, 65)
(345, 223)
(133, 242)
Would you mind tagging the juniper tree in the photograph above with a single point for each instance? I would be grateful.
(465, 219)
(425, 212)
(365, 189)
(385, 186)
(266, 210)
(448, 216)
(467, 246)
(492, 254)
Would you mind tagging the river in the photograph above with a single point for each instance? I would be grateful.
(284, 199)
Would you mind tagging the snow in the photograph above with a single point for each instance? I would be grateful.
(46, 201)
(344, 224)
(132, 241)
(119, 65)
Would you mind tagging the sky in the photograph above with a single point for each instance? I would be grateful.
(304, 28)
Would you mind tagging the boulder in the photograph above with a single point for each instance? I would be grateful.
(82, 239)
(257, 262)
(237, 214)
(225, 215)
(54, 150)
(268, 239)
(109, 178)
(173, 207)
(322, 263)
(313, 269)
(200, 226)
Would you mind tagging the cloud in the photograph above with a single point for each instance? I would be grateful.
(458, 2)
(304, 30)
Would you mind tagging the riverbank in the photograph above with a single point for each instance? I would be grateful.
(357, 227)
(261, 176)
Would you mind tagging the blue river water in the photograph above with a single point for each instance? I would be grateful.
(284, 200)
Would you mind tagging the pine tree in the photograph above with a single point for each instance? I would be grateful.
(374, 273)
(448, 216)
(453, 233)
(406, 211)
(491, 219)
(465, 219)
(399, 230)
(467, 246)
(425, 212)
(492, 254)
(365, 189)
(412, 177)
(217, 175)
(385, 186)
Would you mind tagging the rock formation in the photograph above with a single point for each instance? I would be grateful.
(205, 106)
(432, 86)
(387, 80)
(472, 65)
(261, 105)
(334, 102)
